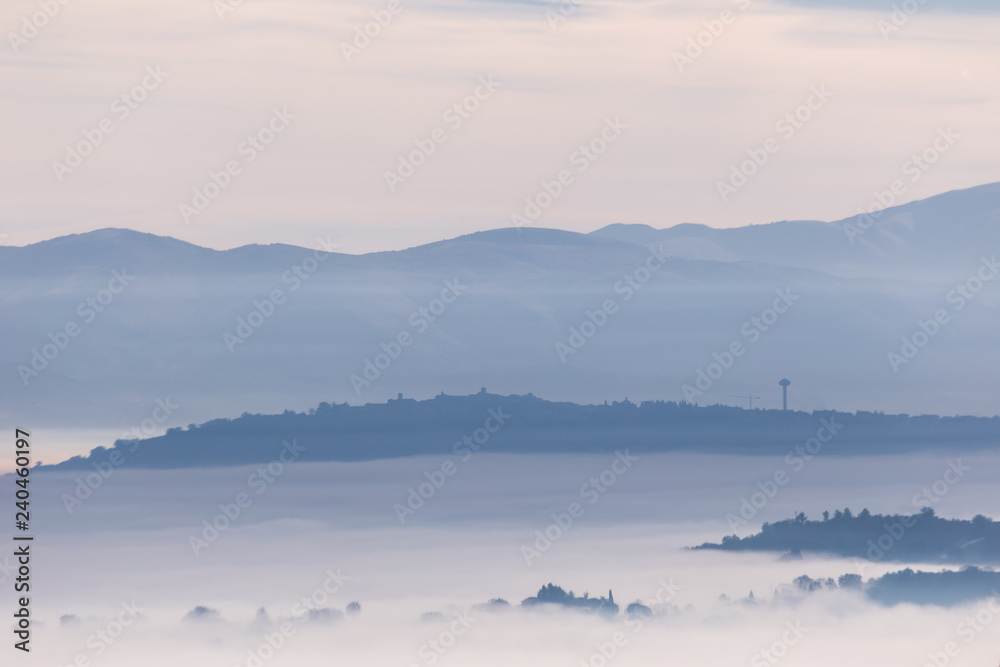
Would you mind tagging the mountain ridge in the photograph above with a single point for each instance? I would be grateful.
(654, 321)
(462, 425)
(642, 233)
(921, 234)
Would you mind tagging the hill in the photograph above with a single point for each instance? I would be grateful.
(930, 236)
(461, 425)
(922, 537)
(573, 316)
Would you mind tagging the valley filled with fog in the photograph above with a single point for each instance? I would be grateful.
(378, 333)
(141, 538)
(120, 331)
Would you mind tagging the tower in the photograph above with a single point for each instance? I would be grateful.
(784, 394)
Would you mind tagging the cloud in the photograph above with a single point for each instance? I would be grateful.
(886, 6)
(330, 527)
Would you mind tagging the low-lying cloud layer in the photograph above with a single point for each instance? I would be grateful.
(333, 528)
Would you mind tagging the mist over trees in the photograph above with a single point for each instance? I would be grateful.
(555, 595)
(920, 537)
(946, 588)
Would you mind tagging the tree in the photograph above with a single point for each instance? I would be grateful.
(638, 609)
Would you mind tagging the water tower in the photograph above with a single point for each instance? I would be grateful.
(784, 394)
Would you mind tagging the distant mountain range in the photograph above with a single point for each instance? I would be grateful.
(928, 239)
(576, 317)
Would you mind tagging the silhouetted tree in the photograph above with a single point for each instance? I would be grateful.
(638, 609)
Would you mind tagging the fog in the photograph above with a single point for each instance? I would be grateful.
(131, 540)
(197, 330)
(236, 232)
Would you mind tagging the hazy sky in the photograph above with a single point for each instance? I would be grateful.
(558, 80)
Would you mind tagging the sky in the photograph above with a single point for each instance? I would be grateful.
(666, 118)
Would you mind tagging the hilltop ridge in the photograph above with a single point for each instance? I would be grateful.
(528, 424)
